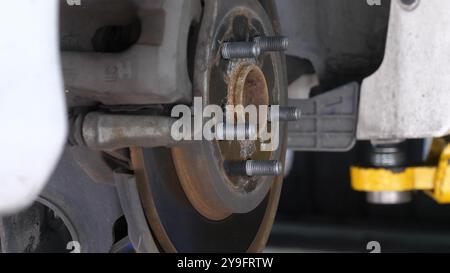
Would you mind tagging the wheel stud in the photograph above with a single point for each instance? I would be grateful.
(237, 132)
(239, 50)
(287, 114)
(272, 43)
(255, 168)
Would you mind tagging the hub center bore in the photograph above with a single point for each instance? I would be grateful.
(248, 86)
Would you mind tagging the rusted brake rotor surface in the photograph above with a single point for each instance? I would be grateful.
(190, 202)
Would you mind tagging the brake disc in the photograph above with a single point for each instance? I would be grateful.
(190, 202)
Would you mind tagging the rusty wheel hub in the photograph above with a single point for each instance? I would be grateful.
(233, 213)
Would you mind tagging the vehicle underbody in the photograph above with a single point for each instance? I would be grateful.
(367, 160)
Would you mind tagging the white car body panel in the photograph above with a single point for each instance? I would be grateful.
(33, 117)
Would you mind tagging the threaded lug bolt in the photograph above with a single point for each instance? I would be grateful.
(240, 50)
(287, 114)
(255, 168)
(236, 132)
(272, 43)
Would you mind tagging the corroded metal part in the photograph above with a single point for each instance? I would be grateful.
(210, 189)
(170, 197)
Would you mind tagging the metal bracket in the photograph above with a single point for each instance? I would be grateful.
(408, 98)
(328, 121)
(148, 72)
(435, 180)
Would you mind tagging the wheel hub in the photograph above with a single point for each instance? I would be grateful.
(211, 190)
(233, 213)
